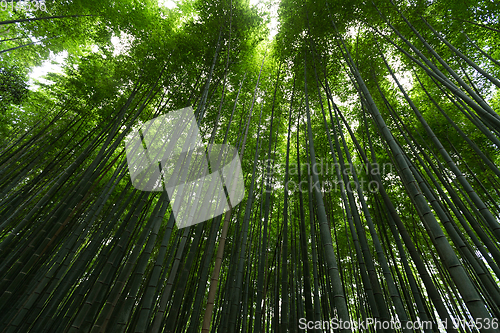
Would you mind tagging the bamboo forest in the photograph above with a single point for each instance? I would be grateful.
(366, 135)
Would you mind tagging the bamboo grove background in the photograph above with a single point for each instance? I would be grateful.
(401, 96)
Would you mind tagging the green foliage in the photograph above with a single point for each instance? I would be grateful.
(13, 87)
(80, 248)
